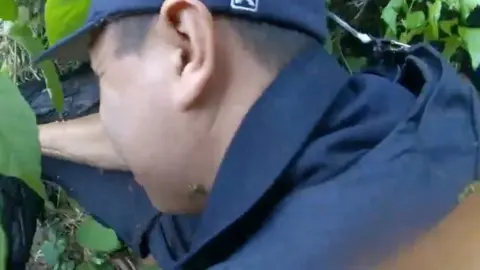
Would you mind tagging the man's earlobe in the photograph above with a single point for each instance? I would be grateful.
(194, 24)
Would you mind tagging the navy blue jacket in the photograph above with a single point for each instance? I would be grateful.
(327, 171)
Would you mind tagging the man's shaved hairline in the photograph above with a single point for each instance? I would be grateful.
(271, 44)
(132, 33)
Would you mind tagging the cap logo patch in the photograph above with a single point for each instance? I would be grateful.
(247, 5)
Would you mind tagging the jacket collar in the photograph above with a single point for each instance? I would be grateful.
(272, 133)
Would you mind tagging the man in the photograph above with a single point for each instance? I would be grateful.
(256, 149)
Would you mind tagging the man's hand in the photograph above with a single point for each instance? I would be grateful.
(81, 140)
(453, 244)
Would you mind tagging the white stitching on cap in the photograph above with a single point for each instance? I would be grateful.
(247, 5)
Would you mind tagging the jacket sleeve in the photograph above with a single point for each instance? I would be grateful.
(112, 197)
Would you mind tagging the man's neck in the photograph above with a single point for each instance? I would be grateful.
(248, 84)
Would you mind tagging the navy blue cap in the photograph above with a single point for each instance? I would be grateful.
(307, 16)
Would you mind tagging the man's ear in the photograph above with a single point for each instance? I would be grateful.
(194, 23)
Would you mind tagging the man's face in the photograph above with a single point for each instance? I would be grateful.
(143, 111)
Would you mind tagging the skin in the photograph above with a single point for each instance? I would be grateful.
(453, 244)
(171, 109)
(82, 140)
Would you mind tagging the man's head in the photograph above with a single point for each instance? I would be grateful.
(175, 86)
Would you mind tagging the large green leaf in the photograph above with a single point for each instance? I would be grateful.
(8, 10)
(71, 13)
(434, 11)
(407, 36)
(355, 64)
(452, 4)
(414, 20)
(23, 14)
(3, 249)
(471, 38)
(51, 253)
(467, 6)
(92, 235)
(451, 46)
(19, 145)
(390, 14)
(447, 26)
(23, 35)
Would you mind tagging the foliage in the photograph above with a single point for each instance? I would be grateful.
(433, 21)
(446, 24)
(14, 59)
(72, 13)
(68, 244)
(470, 189)
(17, 29)
(21, 33)
(9, 10)
(19, 146)
(90, 231)
(20, 149)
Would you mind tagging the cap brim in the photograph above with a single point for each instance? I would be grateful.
(72, 48)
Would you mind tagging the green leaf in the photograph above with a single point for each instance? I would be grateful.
(434, 11)
(98, 260)
(6, 68)
(23, 14)
(19, 145)
(395, 5)
(86, 266)
(407, 36)
(71, 13)
(8, 10)
(51, 254)
(471, 39)
(67, 265)
(431, 33)
(469, 190)
(390, 14)
(23, 35)
(94, 236)
(414, 20)
(390, 34)
(451, 46)
(355, 63)
(3, 249)
(452, 4)
(466, 6)
(447, 26)
(328, 46)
